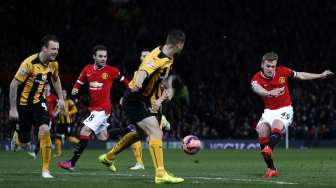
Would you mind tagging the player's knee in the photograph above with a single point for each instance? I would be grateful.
(44, 129)
(263, 130)
(278, 125)
(85, 130)
(24, 138)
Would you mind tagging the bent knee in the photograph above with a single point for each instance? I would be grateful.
(44, 129)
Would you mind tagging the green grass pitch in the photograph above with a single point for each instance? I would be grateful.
(209, 168)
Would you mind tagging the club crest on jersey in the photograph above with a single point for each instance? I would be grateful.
(44, 77)
(104, 76)
(23, 72)
(282, 80)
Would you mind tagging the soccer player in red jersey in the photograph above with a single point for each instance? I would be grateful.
(271, 83)
(51, 103)
(99, 77)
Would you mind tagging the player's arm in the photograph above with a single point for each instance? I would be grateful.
(73, 108)
(312, 76)
(257, 88)
(13, 114)
(21, 75)
(123, 80)
(168, 88)
(147, 67)
(139, 79)
(56, 82)
(80, 81)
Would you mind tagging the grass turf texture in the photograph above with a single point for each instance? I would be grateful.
(209, 168)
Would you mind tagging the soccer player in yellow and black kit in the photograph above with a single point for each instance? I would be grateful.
(65, 124)
(27, 103)
(164, 124)
(139, 108)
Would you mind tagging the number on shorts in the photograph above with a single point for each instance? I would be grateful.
(44, 106)
(285, 115)
(90, 118)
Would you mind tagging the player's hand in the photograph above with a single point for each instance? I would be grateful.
(156, 104)
(74, 91)
(137, 87)
(61, 104)
(13, 114)
(167, 94)
(276, 92)
(326, 73)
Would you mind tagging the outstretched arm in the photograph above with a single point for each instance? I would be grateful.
(312, 76)
(264, 93)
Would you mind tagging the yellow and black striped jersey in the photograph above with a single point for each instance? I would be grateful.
(34, 76)
(68, 115)
(157, 66)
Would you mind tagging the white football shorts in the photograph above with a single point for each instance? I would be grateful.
(284, 114)
(97, 121)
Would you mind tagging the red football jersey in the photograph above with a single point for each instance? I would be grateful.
(280, 79)
(51, 104)
(100, 83)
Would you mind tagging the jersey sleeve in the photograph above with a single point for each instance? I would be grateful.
(56, 71)
(121, 78)
(289, 73)
(255, 78)
(150, 65)
(81, 79)
(24, 71)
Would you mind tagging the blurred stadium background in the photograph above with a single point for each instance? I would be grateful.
(225, 42)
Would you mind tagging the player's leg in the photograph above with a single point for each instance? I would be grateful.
(71, 134)
(137, 151)
(151, 127)
(93, 123)
(276, 132)
(45, 149)
(78, 150)
(108, 158)
(59, 139)
(266, 151)
(42, 120)
(134, 110)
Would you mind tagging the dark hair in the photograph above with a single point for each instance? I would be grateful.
(175, 36)
(45, 40)
(270, 56)
(98, 47)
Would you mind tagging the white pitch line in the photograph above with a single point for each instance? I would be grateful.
(148, 176)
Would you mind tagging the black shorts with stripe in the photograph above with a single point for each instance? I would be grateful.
(136, 107)
(29, 115)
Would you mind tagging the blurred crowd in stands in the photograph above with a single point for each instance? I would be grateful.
(225, 43)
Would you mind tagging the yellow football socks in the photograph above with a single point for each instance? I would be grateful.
(45, 149)
(58, 147)
(123, 143)
(73, 140)
(137, 151)
(17, 141)
(156, 151)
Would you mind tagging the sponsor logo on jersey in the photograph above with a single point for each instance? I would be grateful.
(95, 85)
(282, 80)
(44, 77)
(105, 76)
(23, 71)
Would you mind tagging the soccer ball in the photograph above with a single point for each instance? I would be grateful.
(191, 144)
